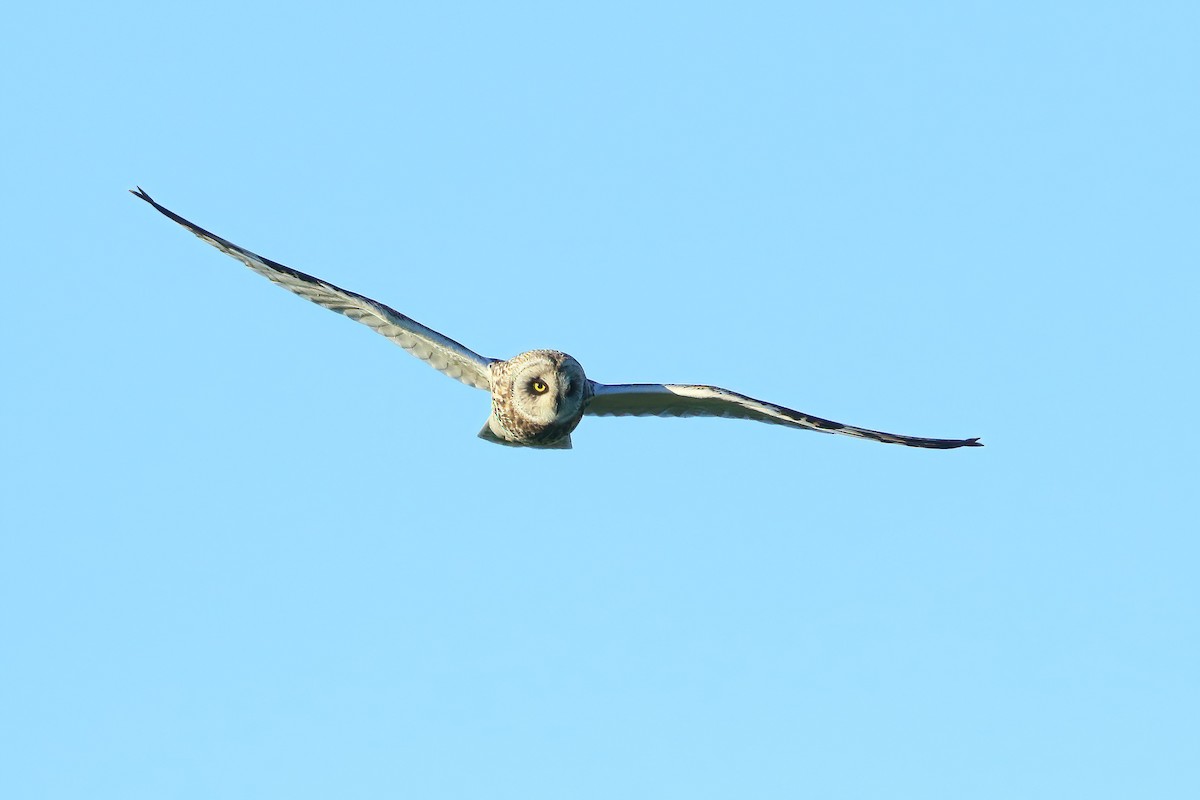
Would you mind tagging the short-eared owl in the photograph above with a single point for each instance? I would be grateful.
(539, 396)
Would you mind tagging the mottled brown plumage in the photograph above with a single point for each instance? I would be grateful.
(523, 416)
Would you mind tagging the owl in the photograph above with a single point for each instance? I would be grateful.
(540, 396)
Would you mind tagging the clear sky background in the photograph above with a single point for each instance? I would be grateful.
(250, 549)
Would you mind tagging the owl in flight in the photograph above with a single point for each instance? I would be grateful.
(539, 396)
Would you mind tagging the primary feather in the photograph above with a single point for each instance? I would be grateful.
(441, 352)
(674, 400)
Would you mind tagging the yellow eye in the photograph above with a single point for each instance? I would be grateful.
(539, 387)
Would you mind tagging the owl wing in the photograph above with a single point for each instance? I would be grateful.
(440, 352)
(672, 400)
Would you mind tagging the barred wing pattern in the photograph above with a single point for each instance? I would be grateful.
(673, 400)
(441, 352)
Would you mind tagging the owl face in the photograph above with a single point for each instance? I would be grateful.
(549, 389)
(538, 397)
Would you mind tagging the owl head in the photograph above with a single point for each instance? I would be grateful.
(537, 398)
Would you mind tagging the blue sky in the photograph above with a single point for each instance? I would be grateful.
(250, 549)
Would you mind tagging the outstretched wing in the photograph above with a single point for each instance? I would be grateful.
(440, 352)
(671, 400)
